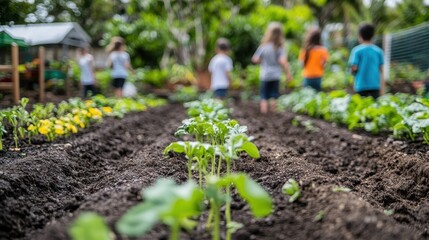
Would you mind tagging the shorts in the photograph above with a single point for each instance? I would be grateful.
(221, 92)
(315, 83)
(370, 93)
(118, 82)
(269, 89)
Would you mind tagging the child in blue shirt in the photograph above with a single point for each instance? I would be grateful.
(366, 62)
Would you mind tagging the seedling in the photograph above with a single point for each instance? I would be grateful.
(2, 130)
(291, 188)
(194, 151)
(258, 199)
(167, 202)
(90, 226)
(320, 215)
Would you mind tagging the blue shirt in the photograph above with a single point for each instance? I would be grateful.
(369, 59)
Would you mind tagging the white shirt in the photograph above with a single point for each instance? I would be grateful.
(86, 74)
(119, 61)
(219, 66)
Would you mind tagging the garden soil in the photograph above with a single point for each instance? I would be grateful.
(45, 186)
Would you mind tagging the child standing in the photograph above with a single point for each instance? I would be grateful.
(313, 57)
(272, 57)
(366, 62)
(119, 61)
(220, 67)
(87, 76)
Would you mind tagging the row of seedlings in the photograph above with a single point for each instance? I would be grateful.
(68, 117)
(218, 141)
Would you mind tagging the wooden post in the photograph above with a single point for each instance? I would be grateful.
(15, 73)
(42, 74)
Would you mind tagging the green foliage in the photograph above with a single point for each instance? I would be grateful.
(90, 226)
(401, 114)
(291, 188)
(405, 72)
(185, 94)
(183, 203)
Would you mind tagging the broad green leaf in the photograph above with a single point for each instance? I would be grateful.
(139, 219)
(90, 226)
(258, 199)
(251, 149)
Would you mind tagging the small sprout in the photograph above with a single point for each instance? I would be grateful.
(389, 212)
(291, 188)
(90, 226)
(320, 215)
(234, 226)
(341, 189)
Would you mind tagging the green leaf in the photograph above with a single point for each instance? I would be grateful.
(291, 188)
(178, 147)
(258, 199)
(90, 226)
(139, 219)
(251, 149)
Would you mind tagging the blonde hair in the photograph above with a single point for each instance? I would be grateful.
(274, 34)
(114, 41)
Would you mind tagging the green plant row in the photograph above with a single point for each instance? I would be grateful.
(403, 115)
(68, 117)
(218, 141)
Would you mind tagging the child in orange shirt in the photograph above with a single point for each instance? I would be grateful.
(313, 57)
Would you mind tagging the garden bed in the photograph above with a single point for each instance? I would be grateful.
(103, 169)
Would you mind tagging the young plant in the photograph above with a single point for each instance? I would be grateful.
(167, 202)
(291, 188)
(235, 144)
(2, 130)
(258, 199)
(199, 152)
(90, 226)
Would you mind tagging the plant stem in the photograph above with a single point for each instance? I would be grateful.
(213, 165)
(210, 217)
(200, 176)
(219, 166)
(216, 226)
(228, 202)
(189, 169)
(174, 231)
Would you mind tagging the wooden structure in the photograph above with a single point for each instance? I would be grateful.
(14, 85)
(13, 69)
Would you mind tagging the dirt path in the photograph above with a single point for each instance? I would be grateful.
(104, 168)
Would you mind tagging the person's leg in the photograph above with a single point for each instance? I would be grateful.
(264, 106)
(118, 92)
(315, 83)
(274, 87)
(264, 97)
(85, 91)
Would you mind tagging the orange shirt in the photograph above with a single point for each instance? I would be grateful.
(316, 62)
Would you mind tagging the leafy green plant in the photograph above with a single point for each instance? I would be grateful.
(183, 203)
(258, 199)
(90, 226)
(2, 129)
(199, 152)
(291, 188)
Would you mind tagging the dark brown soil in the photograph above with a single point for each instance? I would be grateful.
(103, 169)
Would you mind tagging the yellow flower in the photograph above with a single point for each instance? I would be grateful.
(84, 112)
(31, 128)
(59, 122)
(88, 103)
(70, 127)
(107, 109)
(43, 129)
(95, 113)
(59, 130)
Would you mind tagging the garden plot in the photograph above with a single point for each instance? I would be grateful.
(104, 167)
